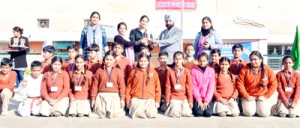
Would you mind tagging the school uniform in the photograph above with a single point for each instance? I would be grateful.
(68, 65)
(179, 93)
(57, 88)
(46, 66)
(142, 96)
(236, 65)
(162, 75)
(80, 92)
(215, 66)
(203, 89)
(7, 83)
(225, 89)
(107, 91)
(93, 66)
(32, 103)
(289, 92)
(249, 84)
(125, 66)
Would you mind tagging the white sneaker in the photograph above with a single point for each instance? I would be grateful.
(4, 113)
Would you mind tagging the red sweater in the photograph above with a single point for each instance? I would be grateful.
(102, 77)
(186, 86)
(225, 87)
(294, 80)
(62, 82)
(8, 81)
(78, 77)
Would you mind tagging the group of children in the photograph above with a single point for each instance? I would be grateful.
(110, 87)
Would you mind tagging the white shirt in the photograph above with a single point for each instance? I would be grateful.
(33, 88)
(190, 59)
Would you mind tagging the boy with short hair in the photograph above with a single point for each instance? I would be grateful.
(94, 62)
(31, 88)
(237, 63)
(215, 55)
(48, 53)
(7, 82)
(69, 63)
(162, 74)
(190, 60)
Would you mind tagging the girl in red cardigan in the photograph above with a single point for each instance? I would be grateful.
(225, 94)
(55, 90)
(108, 91)
(81, 82)
(288, 89)
(179, 89)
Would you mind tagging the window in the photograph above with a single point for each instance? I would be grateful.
(86, 22)
(287, 50)
(43, 23)
(274, 50)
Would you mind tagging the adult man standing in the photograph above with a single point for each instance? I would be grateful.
(170, 40)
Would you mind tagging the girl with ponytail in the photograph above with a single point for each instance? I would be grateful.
(108, 90)
(225, 94)
(257, 85)
(143, 92)
(81, 82)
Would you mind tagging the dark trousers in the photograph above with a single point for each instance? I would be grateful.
(199, 112)
(20, 77)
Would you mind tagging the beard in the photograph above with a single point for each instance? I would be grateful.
(169, 26)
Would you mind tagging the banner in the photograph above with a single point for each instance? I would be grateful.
(227, 50)
(175, 4)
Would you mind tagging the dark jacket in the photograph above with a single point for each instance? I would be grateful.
(136, 35)
(20, 56)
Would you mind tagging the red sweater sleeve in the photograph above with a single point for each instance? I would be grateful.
(128, 88)
(157, 87)
(272, 84)
(66, 86)
(297, 89)
(121, 84)
(235, 93)
(241, 83)
(217, 95)
(12, 80)
(280, 88)
(95, 85)
(168, 88)
(44, 88)
(189, 87)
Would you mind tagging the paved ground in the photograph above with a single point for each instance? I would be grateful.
(14, 121)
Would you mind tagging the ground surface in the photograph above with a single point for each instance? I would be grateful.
(14, 121)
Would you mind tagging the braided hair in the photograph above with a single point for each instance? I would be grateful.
(229, 70)
(138, 67)
(84, 76)
(258, 54)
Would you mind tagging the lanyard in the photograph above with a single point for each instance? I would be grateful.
(288, 80)
(78, 79)
(54, 79)
(109, 74)
(178, 74)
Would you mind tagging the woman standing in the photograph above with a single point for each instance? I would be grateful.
(257, 85)
(125, 41)
(93, 33)
(140, 36)
(207, 38)
(19, 57)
